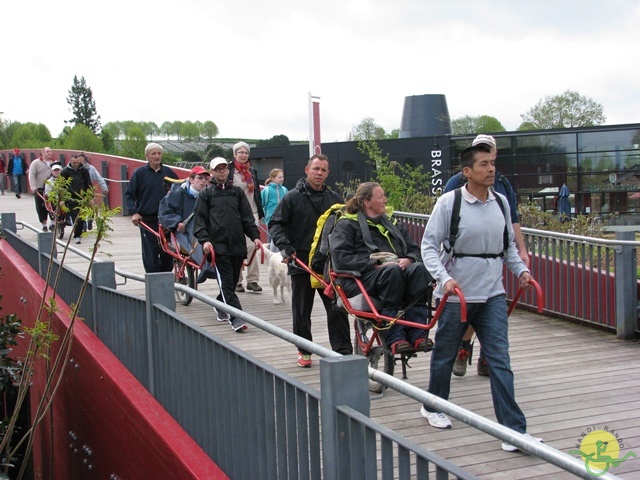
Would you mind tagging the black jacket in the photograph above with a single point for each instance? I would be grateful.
(223, 217)
(256, 183)
(146, 189)
(80, 178)
(350, 252)
(293, 224)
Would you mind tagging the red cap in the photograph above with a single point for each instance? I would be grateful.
(198, 171)
(16, 151)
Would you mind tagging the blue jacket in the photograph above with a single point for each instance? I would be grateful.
(272, 195)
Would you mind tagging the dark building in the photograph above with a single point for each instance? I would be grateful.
(600, 165)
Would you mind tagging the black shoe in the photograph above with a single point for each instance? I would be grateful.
(254, 287)
(239, 288)
(90, 224)
(44, 228)
(52, 228)
(18, 195)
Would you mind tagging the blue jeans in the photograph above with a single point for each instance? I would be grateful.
(490, 323)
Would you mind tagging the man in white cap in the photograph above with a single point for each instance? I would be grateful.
(223, 216)
(502, 186)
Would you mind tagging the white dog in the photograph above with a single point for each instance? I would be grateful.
(278, 278)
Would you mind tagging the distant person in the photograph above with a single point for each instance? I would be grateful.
(3, 176)
(501, 185)
(272, 195)
(245, 176)
(223, 217)
(142, 198)
(292, 228)
(95, 178)
(39, 172)
(80, 182)
(474, 263)
(16, 170)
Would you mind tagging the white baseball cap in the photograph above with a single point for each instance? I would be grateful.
(485, 139)
(216, 162)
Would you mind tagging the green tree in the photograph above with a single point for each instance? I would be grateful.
(82, 105)
(275, 141)
(150, 129)
(209, 130)
(30, 135)
(167, 129)
(214, 150)
(406, 187)
(469, 125)
(367, 129)
(113, 128)
(189, 131)
(569, 109)
(108, 142)
(176, 128)
(134, 143)
(82, 138)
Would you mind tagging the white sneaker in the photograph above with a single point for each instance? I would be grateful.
(436, 420)
(507, 447)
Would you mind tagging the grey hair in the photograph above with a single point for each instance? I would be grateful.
(152, 146)
(239, 145)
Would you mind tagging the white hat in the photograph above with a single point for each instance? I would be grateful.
(56, 166)
(216, 162)
(485, 139)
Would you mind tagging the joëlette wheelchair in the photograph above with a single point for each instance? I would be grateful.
(368, 322)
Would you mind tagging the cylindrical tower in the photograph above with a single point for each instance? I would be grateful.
(424, 116)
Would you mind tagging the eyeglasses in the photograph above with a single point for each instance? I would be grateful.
(220, 169)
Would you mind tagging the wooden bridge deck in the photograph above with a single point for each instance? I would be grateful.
(569, 378)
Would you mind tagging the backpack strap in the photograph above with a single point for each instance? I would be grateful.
(455, 220)
(366, 234)
(505, 234)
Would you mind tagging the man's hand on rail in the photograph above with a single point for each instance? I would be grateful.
(135, 219)
(449, 288)
(525, 280)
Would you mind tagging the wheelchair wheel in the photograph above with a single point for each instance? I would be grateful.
(188, 278)
(60, 231)
(379, 357)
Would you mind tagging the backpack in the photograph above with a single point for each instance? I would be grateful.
(319, 253)
(455, 222)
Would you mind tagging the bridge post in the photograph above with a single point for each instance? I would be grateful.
(125, 184)
(103, 274)
(45, 241)
(626, 284)
(343, 382)
(159, 289)
(8, 222)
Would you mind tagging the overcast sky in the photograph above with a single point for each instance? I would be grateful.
(248, 65)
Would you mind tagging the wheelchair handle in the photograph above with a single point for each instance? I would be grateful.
(463, 306)
(539, 297)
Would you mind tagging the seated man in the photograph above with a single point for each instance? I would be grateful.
(399, 279)
(176, 214)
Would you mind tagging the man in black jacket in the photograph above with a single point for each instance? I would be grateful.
(80, 181)
(292, 227)
(142, 198)
(222, 218)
